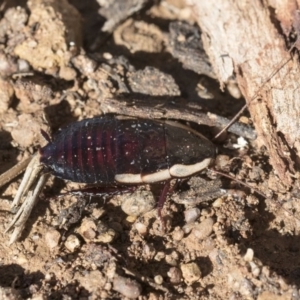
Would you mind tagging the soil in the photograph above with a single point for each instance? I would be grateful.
(60, 62)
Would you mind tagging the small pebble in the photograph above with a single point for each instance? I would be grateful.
(254, 269)
(87, 229)
(203, 92)
(97, 213)
(149, 251)
(107, 55)
(131, 219)
(204, 229)
(67, 73)
(49, 277)
(77, 112)
(105, 234)
(172, 259)
(222, 161)
(233, 89)
(175, 275)
(110, 272)
(52, 238)
(36, 237)
(141, 228)
(159, 256)
(190, 272)
(178, 234)
(265, 271)
(21, 259)
(127, 287)
(218, 202)
(108, 286)
(138, 203)
(249, 255)
(86, 65)
(96, 233)
(191, 215)
(72, 243)
(23, 65)
(158, 279)
(295, 293)
(187, 228)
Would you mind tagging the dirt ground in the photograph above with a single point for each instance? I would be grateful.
(64, 61)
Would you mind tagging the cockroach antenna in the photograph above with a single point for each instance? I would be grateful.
(274, 72)
(251, 188)
(238, 181)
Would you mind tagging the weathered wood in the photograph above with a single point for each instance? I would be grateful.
(247, 39)
(141, 108)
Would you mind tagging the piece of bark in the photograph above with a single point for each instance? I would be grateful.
(244, 38)
(186, 45)
(151, 108)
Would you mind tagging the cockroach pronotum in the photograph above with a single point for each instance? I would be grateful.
(112, 151)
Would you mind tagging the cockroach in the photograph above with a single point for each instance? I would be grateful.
(110, 151)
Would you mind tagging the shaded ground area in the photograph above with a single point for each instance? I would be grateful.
(66, 61)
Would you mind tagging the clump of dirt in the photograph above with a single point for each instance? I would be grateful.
(62, 62)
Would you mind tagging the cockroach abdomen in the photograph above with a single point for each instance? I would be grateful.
(83, 152)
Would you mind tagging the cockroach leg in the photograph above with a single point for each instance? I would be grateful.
(34, 169)
(24, 211)
(162, 199)
(167, 189)
(14, 171)
(30, 188)
(46, 136)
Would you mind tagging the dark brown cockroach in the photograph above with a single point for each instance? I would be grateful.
(109, 150)
(113, 151)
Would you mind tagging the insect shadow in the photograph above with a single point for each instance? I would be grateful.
(8, 153)
(15, 276)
